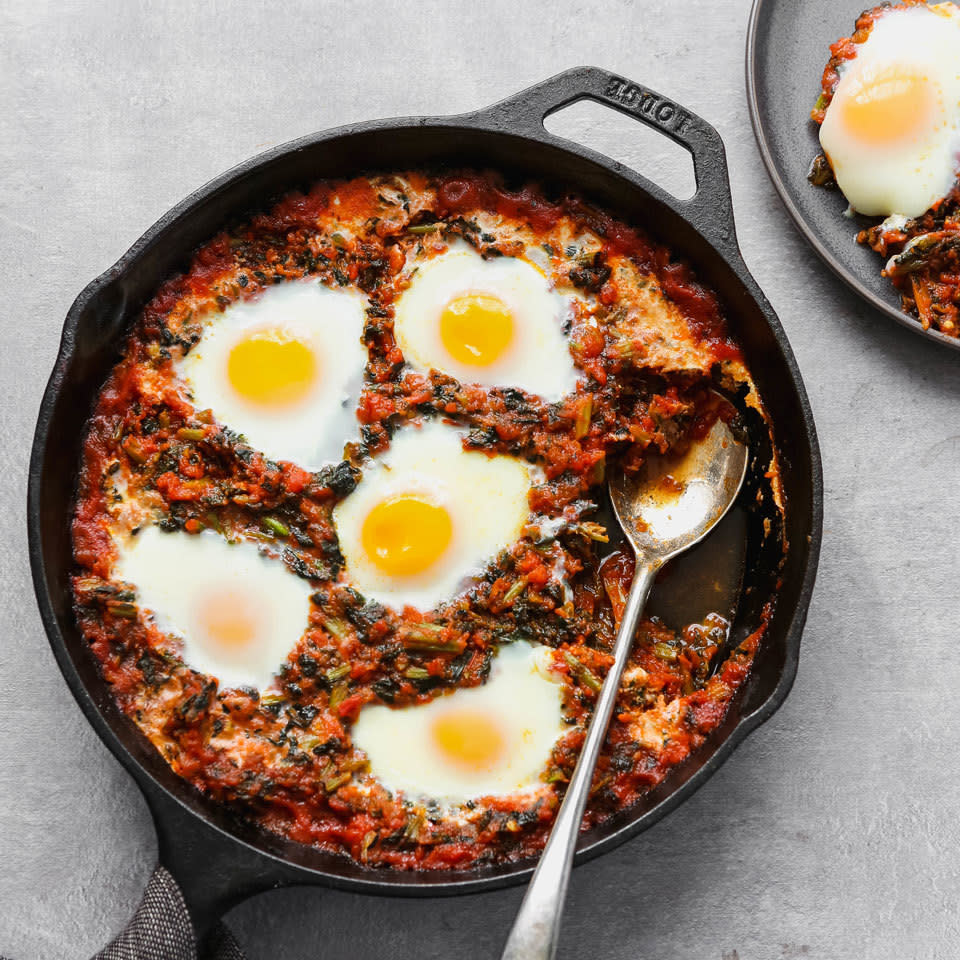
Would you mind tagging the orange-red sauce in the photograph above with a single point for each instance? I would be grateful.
(287, 761)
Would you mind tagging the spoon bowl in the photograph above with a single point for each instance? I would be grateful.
(673, 502)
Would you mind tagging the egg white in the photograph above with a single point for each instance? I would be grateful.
(173, 573)
(522, 698)
(903, 178)
(485, 497)
(313, 431)
(538, 358)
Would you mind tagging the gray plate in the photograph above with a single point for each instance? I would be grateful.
(788, 44)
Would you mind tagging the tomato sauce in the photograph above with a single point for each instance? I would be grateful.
(284, 757)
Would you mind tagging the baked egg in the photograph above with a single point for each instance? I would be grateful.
(236, 612)
(491, 740)
(892, 130)
(491, 322)
(285, 370)
(428, 515)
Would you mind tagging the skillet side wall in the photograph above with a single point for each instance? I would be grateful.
(105, 310)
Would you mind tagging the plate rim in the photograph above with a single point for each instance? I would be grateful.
(807, 232)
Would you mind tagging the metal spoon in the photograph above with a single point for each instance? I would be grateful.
(665, 508)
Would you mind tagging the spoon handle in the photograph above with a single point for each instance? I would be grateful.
(536, 931)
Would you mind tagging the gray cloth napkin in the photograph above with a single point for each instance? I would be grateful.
(161, 929)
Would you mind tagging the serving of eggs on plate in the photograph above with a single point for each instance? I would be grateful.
(891, 132)
(285, 370)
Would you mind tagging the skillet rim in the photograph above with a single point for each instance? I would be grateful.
(489, 121)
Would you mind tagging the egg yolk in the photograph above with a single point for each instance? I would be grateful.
(229, 619)
(270, 368)
(468, 738)
(889, 106)
(476, 328)
(406, 535)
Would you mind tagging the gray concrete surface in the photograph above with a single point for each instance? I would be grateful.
(834, 831)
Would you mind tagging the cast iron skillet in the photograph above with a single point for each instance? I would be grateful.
(216, 859)
(788, 44)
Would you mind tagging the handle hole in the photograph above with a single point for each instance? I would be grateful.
(628, 141)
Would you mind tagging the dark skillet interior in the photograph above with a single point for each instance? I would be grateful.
(787, 48)
(94, 332)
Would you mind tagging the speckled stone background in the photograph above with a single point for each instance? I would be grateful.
(834, 831)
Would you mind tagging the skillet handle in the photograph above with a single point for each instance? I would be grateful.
(710, 209)
(214, 870)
